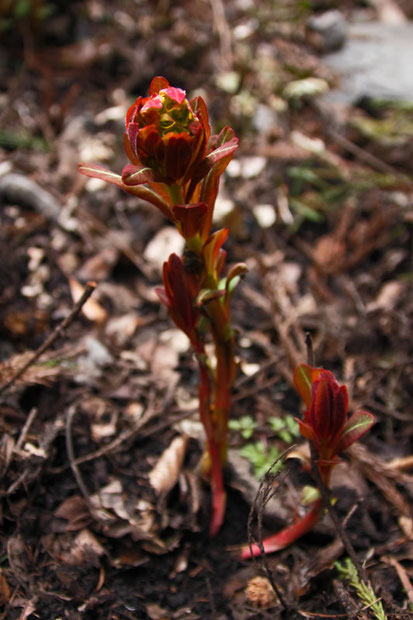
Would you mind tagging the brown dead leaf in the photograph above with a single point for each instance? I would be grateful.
(122, 328)
(92, 308)
(389, 295)
(103, 430)
(4, 590)
(76, 512)
(74, 550)
(19, 323)
(164, 475)
(316, 564)
(28, 608)
(85, 548)
(406, 525)
(41, 373)
(99, 266)
(166, 241)
(6, 452)
(119, 516)
(156, 612)
(129, 556)
(17, 553)
(162, 359)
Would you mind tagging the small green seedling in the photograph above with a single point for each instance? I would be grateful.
(245, 425)
(261, 457)
(286, 428)
(365, 592)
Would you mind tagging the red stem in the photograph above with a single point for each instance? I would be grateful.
(214, 463)
(217, 489)
(224, 379)
(286, 536)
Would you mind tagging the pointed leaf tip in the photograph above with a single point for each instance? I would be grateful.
(303, 382)
(99, 172)
(157, 84)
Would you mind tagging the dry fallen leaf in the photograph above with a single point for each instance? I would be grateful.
(4, 590)
(85, 548)
(76, 512)
(166, 241)
(18, 557)
(99, 266)
(42, 373)
(74, 550)
(122, 328)
(164, 475)
(91, 309)
(155, 612)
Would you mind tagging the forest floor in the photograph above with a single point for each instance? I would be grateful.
(318, 202)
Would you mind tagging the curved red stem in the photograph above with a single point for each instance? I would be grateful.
(286, 536)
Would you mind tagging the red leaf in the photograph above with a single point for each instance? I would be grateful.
(99, 172)
(358, 424)
(306, 430)
(200, 110)
(157, 84)
(211, 250)
(136, 175)
(191, 218)
(177, 154)
(322, 408)
(222, 150)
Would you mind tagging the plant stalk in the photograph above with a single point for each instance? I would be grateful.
(286, 536)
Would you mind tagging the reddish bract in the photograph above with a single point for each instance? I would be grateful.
(326, 425)
(164, 133)
(178, 294)
(325, 419)
(175, 164)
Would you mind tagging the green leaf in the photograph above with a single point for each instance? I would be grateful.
(206, 295)
(309, 495)
(277, 424)
(285, 436)
(292, 425)
(358, 424)
(245, 425)
(365, 592)
(306, 212)
(286, 428)
(261, 457)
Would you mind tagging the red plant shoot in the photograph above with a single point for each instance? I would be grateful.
(327, 426)
(175, 164)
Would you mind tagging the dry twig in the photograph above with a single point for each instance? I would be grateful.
(265, 492)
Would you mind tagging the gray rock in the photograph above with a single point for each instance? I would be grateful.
(375, 63)
(331, 26)
(265, 119)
